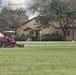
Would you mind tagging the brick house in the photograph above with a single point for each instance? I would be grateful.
(30, 28)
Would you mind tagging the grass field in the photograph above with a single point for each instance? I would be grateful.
(39, 58)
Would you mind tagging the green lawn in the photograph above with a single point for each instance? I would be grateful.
(39, 58)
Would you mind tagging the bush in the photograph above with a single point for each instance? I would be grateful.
(56, 37)
(20, 38)
(51, 37)
(46, 37)
(34, 38)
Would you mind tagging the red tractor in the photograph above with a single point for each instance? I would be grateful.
(9, 43)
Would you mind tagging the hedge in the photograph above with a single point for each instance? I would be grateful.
(20, 38)
(52, 37)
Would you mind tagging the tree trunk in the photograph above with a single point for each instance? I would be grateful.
(64, 36)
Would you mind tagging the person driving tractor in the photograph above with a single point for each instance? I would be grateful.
(8, 41)
(4, 42)
(13, 42)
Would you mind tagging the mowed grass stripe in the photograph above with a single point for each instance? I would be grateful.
(49, 44)
(39, 60)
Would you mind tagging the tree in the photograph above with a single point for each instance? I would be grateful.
(11, 19)
(3, 3)
(60, 11)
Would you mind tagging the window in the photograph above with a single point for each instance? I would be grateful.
(57, 32)
(68, 34)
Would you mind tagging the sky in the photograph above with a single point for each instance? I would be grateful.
(22, 2)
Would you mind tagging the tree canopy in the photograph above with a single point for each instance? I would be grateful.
(11, 19)
(50, 11)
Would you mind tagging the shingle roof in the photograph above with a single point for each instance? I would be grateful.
(32, 28)
(26, 22)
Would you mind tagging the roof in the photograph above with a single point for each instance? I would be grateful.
(28, 28)
(14, 4)
(27, 22)
(55, 25)
(32, 28)
(9, 31)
